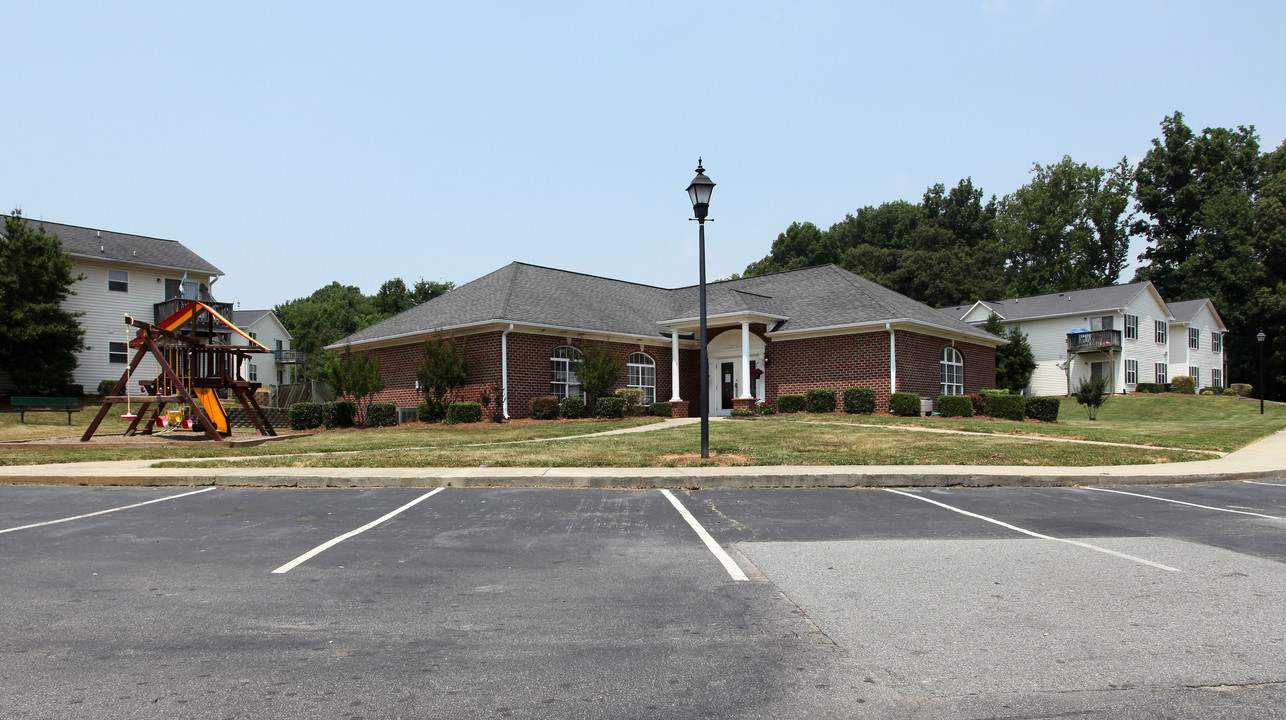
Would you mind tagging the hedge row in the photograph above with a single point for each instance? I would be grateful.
(955, 406)
(859, 401)
(463, 412)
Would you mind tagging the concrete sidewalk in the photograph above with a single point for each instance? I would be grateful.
(1263, 459)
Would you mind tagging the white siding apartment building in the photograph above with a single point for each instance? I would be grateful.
(124, 275)
(1126, 333)
(284, 365)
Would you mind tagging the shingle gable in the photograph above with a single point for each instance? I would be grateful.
(106, 245)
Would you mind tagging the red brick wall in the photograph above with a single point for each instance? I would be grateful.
(794, 366)
(528, 356)
(836, 362)
(919, 369)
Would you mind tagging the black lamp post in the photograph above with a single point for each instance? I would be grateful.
(1261, 337)
(699, 191)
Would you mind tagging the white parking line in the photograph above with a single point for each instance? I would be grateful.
(335, 541)
(1015, 528)
(1254, 482)
(104, 512)
(728, 563)
(1180, 502)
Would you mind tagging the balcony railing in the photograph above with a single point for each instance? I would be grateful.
(1093, 341)
(163, 310)
(290, 357)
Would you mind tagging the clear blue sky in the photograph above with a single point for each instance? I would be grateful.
(295, 144)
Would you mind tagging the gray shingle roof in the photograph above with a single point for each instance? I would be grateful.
(90, 243)
(1112, 297)
(811, 298)
(245, 318)
(1185, 311)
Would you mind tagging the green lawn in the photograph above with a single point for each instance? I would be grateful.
(1222, 423)
(1199, 422)
(743, 443)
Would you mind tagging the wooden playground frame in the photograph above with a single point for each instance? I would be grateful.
(189, 362)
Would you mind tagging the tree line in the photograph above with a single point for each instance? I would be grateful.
(1211, 206)
(335, 311)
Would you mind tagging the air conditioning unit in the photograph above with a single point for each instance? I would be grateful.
(405, 415)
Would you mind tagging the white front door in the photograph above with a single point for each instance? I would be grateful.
(726, 382)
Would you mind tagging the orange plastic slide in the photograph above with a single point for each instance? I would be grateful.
(210, 401)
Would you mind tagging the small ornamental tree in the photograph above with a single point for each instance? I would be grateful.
(1015, 362)
(357, 375)
(38, 339)
(443, 370)
(597, 369)
(1091, 393)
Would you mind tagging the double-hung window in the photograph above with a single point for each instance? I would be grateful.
(118, 280)
(1194, 338)
(1216, 377)
(1131, 372)
(117, 352)
(952, 365)
(1195, 373)
(1163, 373)
(1131, 327)
(1216, 341)
(1161, 331)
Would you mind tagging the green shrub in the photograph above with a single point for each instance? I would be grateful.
(994, 391)
(381, 414)
(1092, 394)
(464, 412)
(105, 387)
(766, 408)
(572, 406)
(337, 414)
(904, 404)
(305, 415)
(955, 406)
(1242, 389)
(790, 403)
(742, 412)
(544, 407)
(1147, 388)
(1044, 409)
(609, 406)
(819, 400)
(632, 396)
(661, 409)
(1212, 390)
(976, 399)
(1184, 384)
(431, 411)
(1007, 407)
(859, 401)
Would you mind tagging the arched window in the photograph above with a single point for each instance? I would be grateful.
(952, 372)
(562, 381)
(640, 372)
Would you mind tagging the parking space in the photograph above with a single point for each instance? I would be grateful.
(532, 602)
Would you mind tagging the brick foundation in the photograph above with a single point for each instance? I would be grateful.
(744, 404)
(678, 408)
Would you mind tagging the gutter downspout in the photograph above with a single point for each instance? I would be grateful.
(893, 359)
(504, 367)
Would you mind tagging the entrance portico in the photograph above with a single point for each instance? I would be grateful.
(736, 360)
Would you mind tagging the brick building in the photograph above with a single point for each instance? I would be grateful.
(787, 332)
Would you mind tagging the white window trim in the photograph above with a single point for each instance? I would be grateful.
(1162, 332)
(637, 375)
(1131, 372)
(1194, 338)
(570, 386)
(113, 353)
(1216, 341)
(1131, 327)
(951, 372)
(124, 282)
(1162, 373)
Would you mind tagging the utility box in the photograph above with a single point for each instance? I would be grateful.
(926, 407)
(405, 415)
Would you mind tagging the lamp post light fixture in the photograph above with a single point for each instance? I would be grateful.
(699, 191)
(1261, 337)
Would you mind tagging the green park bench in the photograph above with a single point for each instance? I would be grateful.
(44, 404)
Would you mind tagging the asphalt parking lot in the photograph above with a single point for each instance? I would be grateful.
(1161, 601)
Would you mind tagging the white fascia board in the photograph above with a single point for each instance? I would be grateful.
(735, 317)
(978, 304)
(882, 326)
(489, 325)
(135, 263)
(1149, 286)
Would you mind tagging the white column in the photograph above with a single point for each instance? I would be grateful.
(893, 359)
(674, 366)
(745, 361)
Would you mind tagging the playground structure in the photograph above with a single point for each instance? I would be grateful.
(194, 367)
